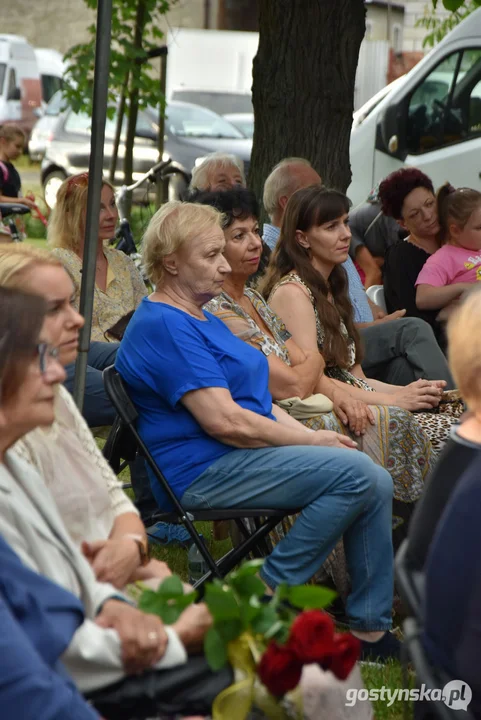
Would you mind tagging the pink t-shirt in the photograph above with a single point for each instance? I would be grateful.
(450, 265)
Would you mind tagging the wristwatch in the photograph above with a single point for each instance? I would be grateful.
(143, 546)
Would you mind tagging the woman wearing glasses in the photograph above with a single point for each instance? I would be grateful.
(77, 628)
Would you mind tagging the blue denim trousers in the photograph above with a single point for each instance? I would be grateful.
(97, 409)
(343, 493)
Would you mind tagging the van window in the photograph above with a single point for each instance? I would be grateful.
(446, 107)
(12, 83)
(3, 70)
(50, 85)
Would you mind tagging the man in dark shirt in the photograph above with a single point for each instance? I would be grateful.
(372, 233)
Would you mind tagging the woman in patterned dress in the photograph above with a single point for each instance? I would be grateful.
(306, 285)
(395, 440)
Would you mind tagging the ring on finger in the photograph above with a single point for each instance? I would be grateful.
(153, 637)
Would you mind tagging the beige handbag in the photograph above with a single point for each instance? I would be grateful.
(307, 408)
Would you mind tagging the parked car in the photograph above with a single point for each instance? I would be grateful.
(243, 121)
(191, 132)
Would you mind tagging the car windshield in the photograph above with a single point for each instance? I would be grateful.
(189, 121)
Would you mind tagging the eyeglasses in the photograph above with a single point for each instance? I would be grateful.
(46, 353)
(81, 180)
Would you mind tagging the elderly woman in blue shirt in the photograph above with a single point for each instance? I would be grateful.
(206, 415)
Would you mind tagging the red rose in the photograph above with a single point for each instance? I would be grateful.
(279, 669)
(347, 650)
(312, 636)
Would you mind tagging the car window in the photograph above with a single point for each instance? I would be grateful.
(3, 70)
(55, 105)
(81, 123)
(191, 121)
(446, 107)
(221, 103)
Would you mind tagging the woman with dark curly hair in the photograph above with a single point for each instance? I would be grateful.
(407, 195)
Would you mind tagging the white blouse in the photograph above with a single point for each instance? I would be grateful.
(87, 492)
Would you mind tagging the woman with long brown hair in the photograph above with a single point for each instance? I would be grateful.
(306, 286)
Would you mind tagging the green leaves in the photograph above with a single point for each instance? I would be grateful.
(239, 607)
(124, 53)
(453, 5)
(169, 601)
(439, 26)
(310, 597)
(215, 649)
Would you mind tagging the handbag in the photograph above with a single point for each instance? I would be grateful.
(309, 407)
(188, 689)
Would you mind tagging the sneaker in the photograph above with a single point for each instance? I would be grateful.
(163, 533)
(387, 648)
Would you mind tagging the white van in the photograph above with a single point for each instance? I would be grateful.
(20, 87)
(51, 68)
(430, 120)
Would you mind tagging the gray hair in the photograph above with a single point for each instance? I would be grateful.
(200, 174)
(279, 183)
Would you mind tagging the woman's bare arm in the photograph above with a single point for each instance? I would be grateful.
(222, 418)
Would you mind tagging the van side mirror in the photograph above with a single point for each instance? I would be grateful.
(14, 94)
(391, 132)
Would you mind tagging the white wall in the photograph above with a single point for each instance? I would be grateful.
(413, 10)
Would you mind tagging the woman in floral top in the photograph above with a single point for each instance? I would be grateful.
(395, 440)
(119, 287)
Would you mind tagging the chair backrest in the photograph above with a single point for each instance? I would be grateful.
(119, 397)
(116, 391)
(410, 583)
(375, 294)
(427, 675)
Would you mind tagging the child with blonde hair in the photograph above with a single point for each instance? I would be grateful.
(12, 144)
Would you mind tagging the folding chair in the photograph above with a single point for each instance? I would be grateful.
(410, 583)
(124, 437)
(432, 678)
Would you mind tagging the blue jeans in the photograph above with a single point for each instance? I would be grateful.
(343, 493)
(97, 409)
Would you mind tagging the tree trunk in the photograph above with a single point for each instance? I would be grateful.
(118, 130)
(134, 99)
(303, 89)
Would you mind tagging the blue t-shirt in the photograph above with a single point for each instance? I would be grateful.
(165, 353)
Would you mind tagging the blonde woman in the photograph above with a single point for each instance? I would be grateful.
(119, 287)
(99, 516)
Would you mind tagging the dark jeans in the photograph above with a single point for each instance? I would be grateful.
(97, 409)
(402, 351)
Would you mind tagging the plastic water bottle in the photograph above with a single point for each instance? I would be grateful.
(197, 565)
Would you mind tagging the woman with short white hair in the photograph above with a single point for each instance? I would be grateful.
(207, 417)
(218, 171)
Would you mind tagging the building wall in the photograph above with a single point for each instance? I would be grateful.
(378, 26)
(413, 11)
(60, 24)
